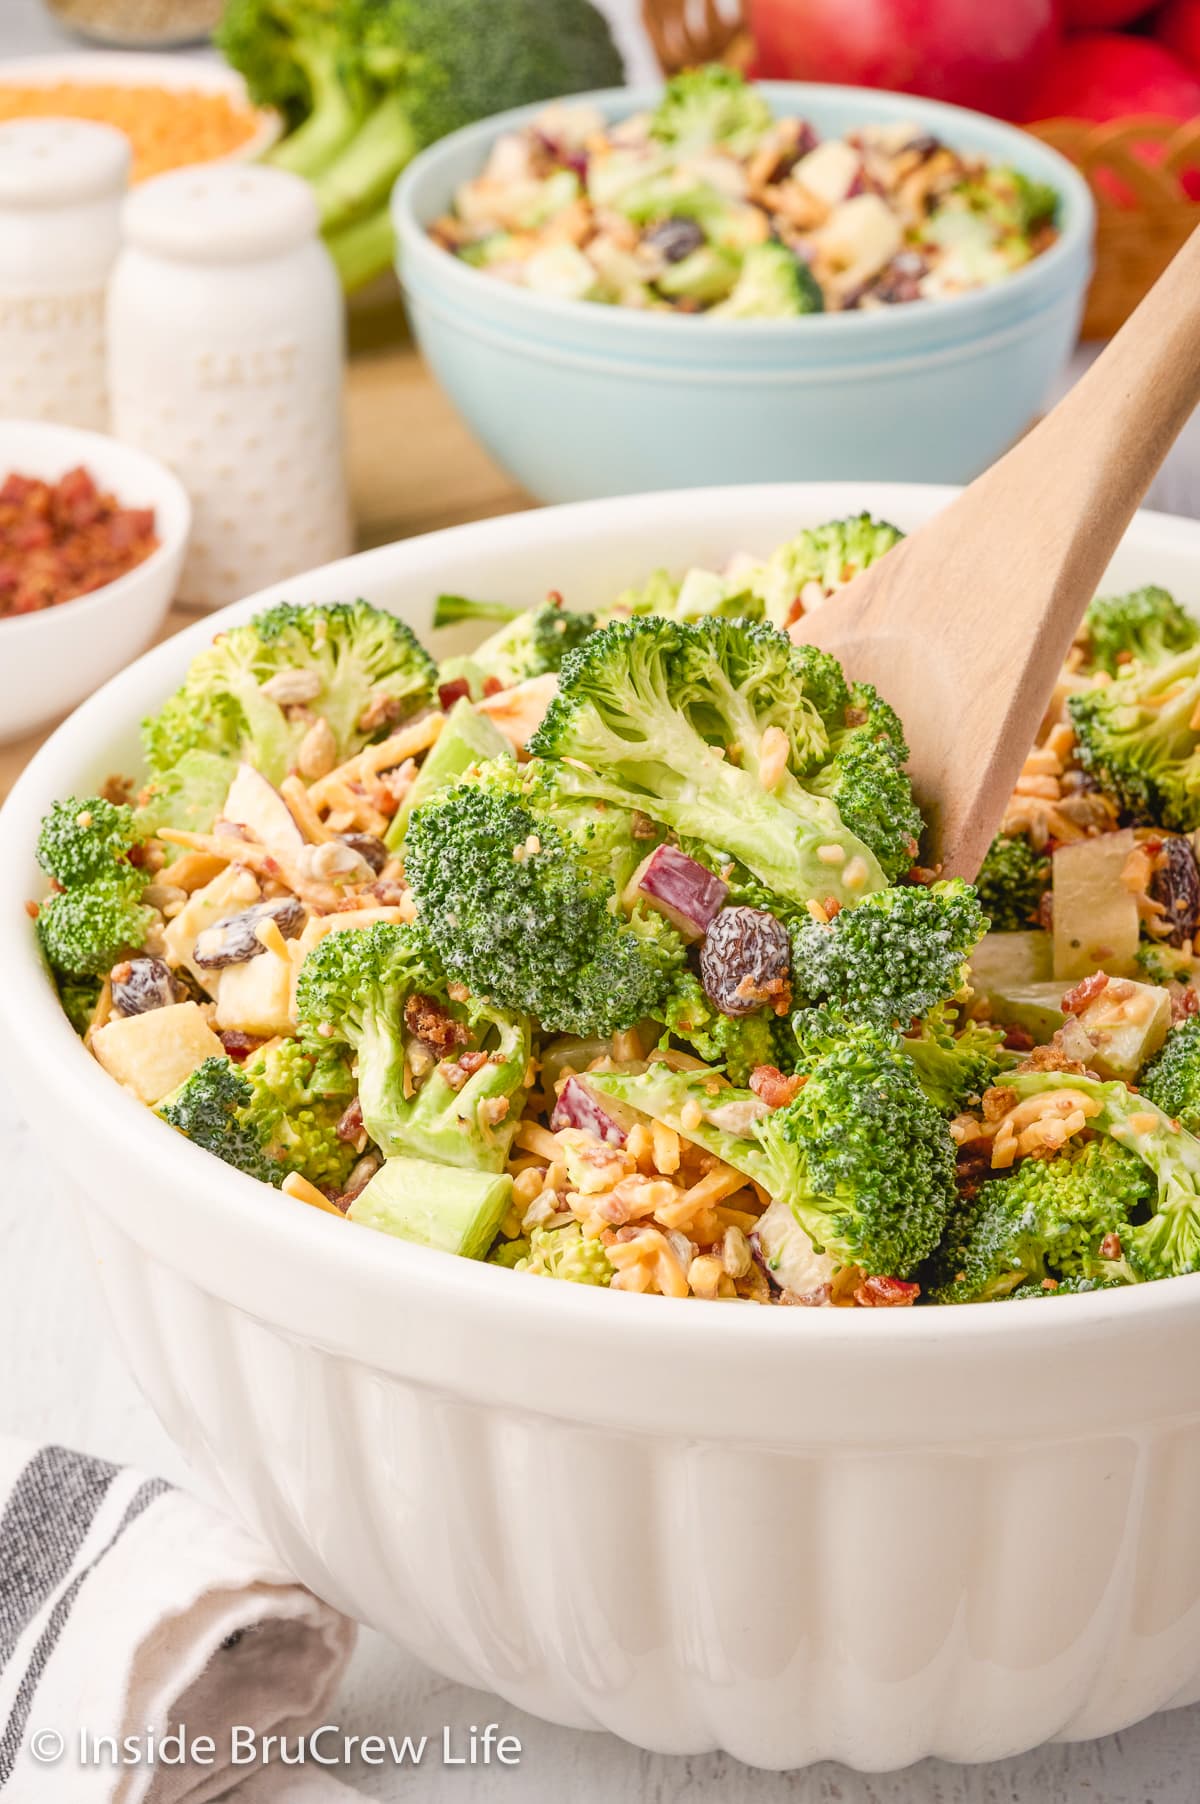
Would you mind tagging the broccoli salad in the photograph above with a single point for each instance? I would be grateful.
(606, 954)
(710, 204)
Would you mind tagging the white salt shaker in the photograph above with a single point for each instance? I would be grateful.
(62, 182)
(226, 347)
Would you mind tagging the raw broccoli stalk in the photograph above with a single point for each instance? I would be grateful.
(774, 283)
(448, 1207)
(1011, 883)
(1137, 738)
(713, 105)
(213, 1108)
(189, 796)
(530, 642)
(686, 723)
(371, 670)
(862, 1158)
(1172, 1078)
(1167, 1244)
(897, 955)
(97, 911)
(1048, 1220)
(828, 556)
(1146, 626)
(956, 1062)
(423, 1089)
(516, 910)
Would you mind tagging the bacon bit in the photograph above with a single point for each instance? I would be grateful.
(492, 685)
(238, 1045)
(1184, 1003)
(493, 1109)
(776, 1090)
(350, 1123)
(1084, 993)
(454, 691)
(430, 1023)
(886, 1293)
(1052, 1058)
(998, 1101)
(66, 539)
(922, 874)
(1110, 1247)
(33, 910)
(471, 1062)
(1016, 1039)
(641, 826)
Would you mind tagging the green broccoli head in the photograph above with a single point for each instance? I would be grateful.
(705, 107)
(866, 783)
(773, 283)
(956, 1061)
(894, 957)
(1146, 626)
(423, 1087)
(516, 912)
(369, 666)
(732, 1043)
(1171, 1080)
(297, 1119)
(213, 1108)
(1049, 1220)
(531, 641)
(862, 1158)
(79, 996)
(829, 556)
(1137, 737)
(1010, 198)
(711, 729)
(567, 1253)
(1011, 883)
(81, 841)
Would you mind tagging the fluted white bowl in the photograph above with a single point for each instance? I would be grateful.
(791, 1534)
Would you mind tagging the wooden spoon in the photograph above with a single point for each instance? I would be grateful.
(964, 626)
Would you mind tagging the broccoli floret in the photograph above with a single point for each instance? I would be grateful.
(515, 910)
(733, 1043)
(97, 912)
(530, 642)
(1064, 1287)
(1010, 199)
(862, 1158)
(709, 106)
(1137, 738)
(830, 556)
(1011, 883)
(564, 1253)
(79, 996)
(1047, 1220)
(368, 663)
(773, 283)
(1167, 1243)
(213, 1107)
(865, 781)
(1172, 1078)
(83, 840)
(955, 1061)
(297, 1115)
(382, 991)
(685, 723)
(1146, 626)
(896, 955)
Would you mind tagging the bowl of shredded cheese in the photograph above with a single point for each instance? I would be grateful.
(174, 112)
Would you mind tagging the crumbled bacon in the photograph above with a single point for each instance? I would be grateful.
(238, 1045)
(886, 1293)
(1016, 1039)
(432, 1025)
(453, 691)
(62, 540)
(1110, 1247)
(1184, 1003)
(776, 1090)
(1084, 993)
(1051, 1058)
(998, 1101)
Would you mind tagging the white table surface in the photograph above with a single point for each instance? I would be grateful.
(62, 1380)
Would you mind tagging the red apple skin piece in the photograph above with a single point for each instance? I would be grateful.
(1103, 76)
(1102, 15)
(578, 1108)
(1177, 26)
(684, 891)
(979, 53)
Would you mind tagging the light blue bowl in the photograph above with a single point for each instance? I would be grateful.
(578, 400)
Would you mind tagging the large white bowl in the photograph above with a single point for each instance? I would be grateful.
(792, 1534)
(50, 660)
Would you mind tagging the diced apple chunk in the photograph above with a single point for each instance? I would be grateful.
(1127, 1023)
(152, 1054)
(256, 997)
(1096, 925)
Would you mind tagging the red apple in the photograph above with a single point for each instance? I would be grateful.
(1102, 15)
(1104, 76)
(1178, 27)
(980, 53)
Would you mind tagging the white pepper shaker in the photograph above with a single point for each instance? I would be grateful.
(62, 182)
(226, 344)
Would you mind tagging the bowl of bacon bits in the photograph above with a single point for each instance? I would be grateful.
(92, 536)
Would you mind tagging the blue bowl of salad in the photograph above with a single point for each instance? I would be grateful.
(730, 284)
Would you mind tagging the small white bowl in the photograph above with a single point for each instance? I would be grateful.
(145, 69)
(51, 660)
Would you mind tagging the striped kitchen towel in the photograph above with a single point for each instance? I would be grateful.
(131, 1612)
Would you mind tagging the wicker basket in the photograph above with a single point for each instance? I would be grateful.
(1144, 215)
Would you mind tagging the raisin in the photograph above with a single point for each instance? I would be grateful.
(675, 238)
(745, 959)
(1176, 885)
(371, 850)
(234, 940)
(142, 984)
